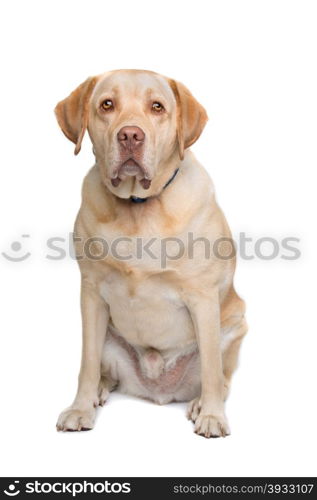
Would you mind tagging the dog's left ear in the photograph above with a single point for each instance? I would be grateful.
(191, 117)
(72, 112)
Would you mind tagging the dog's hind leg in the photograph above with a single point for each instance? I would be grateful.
(106, 385)
(231, 346)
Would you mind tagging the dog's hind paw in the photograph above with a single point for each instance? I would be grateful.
(193, 409)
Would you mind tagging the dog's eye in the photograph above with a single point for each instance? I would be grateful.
(107, 104)
(157, 107)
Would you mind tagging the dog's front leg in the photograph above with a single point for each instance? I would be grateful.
(207, 412)
(95, 314)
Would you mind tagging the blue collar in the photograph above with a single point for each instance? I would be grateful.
(136, 199)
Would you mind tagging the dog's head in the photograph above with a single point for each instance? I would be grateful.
(139, 122)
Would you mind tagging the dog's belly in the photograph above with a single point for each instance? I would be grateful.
(151, 350)
(149, 313)
(148, 373)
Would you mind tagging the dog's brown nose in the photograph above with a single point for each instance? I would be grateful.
(131, 138)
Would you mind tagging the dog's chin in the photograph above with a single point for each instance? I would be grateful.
(128, 169)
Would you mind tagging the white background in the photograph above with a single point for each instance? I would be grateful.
(253, 66)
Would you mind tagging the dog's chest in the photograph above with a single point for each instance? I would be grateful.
(147, 312)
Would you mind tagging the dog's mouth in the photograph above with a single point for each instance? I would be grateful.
(130, 168)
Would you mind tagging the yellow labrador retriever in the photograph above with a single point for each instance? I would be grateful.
(164, 324)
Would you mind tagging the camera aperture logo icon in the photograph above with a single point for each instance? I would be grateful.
(13, 491)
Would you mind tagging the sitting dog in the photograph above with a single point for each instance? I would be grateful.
(162, 327)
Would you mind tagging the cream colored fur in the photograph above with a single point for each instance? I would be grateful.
(186, 313)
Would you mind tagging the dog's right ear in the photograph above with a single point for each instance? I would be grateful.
(72, 112)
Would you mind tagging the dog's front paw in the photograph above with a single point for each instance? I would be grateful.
(205, 424)
(211, 426)
(75, 419)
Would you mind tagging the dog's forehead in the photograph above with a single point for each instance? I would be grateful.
(137, 82)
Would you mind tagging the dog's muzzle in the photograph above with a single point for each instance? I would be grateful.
(131, 145)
